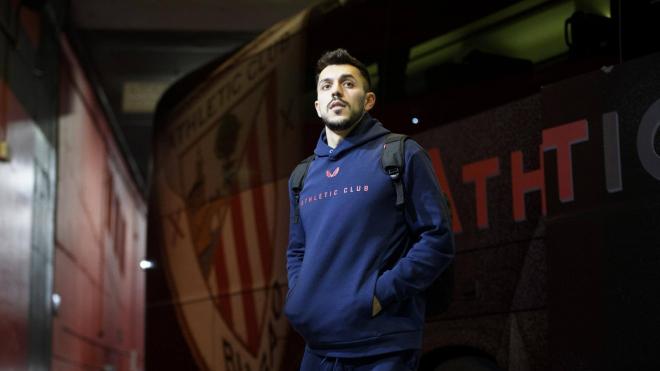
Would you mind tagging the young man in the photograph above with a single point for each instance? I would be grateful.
(357, 264)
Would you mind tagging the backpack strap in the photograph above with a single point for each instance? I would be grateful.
(440, 292)
(297, 182)
(392, 162)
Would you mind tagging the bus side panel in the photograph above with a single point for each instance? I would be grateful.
(603, 245)
(498, 305)
(575, 178)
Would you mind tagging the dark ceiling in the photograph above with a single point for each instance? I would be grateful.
(133, 50)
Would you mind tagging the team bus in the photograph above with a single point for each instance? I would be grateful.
(541, 119)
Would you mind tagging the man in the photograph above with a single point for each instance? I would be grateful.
(357, 264)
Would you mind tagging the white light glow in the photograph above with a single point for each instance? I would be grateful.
(146, 264)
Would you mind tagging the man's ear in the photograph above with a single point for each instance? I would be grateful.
(369, 100)
(316, 106)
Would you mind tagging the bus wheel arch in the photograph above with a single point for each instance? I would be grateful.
(458, 358)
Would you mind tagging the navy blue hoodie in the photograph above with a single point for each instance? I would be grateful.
(348, 246)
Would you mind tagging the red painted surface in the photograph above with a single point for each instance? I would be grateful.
(100, 234)
(525, 181)
(478, 173)
(560, 139)
(17, 177)
(31, 22)
(441, 174)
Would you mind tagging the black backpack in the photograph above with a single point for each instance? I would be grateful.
(440, 292)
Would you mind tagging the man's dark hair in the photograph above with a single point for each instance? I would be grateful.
(341, 56)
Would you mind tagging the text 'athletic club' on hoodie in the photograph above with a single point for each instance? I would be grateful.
(348, 246)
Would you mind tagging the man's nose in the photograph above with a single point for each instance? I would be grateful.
(336, 90)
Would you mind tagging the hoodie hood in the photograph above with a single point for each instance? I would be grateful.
(367, 129)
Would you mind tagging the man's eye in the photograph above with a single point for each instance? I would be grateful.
(348, 84)
(325, 86)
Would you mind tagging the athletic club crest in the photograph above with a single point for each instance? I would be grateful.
(223, 200)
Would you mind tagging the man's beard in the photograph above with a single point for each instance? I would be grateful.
(344, 124)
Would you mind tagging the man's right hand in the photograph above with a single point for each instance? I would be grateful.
(375, 307)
